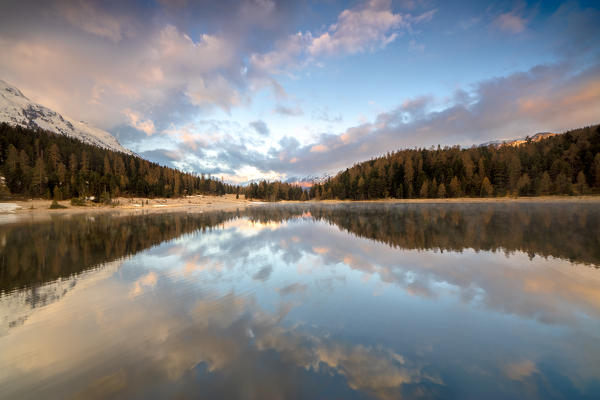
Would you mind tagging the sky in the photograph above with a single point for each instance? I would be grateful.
(257, 89)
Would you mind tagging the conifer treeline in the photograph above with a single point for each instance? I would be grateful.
(274, 191)
(38, 163)
(561, 164)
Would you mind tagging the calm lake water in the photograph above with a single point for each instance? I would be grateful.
(334, 301)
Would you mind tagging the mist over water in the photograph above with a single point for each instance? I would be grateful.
(305, 301)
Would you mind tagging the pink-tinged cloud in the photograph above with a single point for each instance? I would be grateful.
(545, 98)
(89, 17)
(510, 22)
(318, 148)
(136, 121)
(359, 29)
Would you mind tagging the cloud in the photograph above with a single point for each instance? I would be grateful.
(88, 16)
(294, 288)
(263, 274)
(162, 73)
(545, 98)
(510, 22)
(147, 73)
(318, 148)
(136, 121)
(260, 127)
(286, 52)
(368, 26)
(289, 111)
(363, 28)
(92, 60)
(520, 370)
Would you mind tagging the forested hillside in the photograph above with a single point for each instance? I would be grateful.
(38, 163)
(273, 191)
(563, 164)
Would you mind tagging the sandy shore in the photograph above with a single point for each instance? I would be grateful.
(132, 205)
(201, 203)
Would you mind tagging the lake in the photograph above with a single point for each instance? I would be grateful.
(349, 301)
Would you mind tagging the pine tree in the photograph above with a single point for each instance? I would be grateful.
(514, 173)
(596, 169)
(523, 185)
(582, 186)
(424, 192)
(107, 168)
(544, 186)
(562, 184)
(441, 192)
(487, 189)
(454, 187)
(39, 178)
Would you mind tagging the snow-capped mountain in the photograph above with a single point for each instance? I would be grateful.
(16, 109)
(304, 181)
(517, 142)
(308, 181)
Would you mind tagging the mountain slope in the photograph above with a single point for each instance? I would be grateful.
(16, 109)
(517, 142)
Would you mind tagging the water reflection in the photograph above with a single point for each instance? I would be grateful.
(38, 252)
(284, 303)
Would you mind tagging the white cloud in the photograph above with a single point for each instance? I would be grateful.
(136, 121)
(360, 29)
(367, 27)
(545, 98)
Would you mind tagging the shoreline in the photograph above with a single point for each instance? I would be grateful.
(38, 209)
(471, 200)
(126, 205)
(228, 202)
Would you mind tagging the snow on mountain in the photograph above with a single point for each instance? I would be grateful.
(307, 181)
(16, 109)
(517, 142)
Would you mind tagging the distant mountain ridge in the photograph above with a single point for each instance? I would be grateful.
(517, 142)
(307, 181)
(17, 109)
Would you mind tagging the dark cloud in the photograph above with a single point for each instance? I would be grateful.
(294, 288)
(163, 157)
(263, 274)
(260, 127)
(290, 111)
